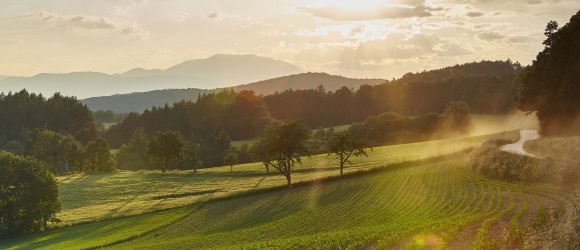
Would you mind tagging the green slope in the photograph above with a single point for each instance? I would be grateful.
(376, 210)
(399, 204)
(88, 197)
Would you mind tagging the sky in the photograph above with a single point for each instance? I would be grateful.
(361, 38)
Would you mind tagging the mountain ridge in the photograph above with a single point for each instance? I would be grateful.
(139, 101)
(217, 71)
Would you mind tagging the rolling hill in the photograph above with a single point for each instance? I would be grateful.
(137, 102)
(432, 203)
(214, 72)
(306, 81)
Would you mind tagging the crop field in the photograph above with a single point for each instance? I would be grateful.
(439, 203)
(429, 204)
(89, 197)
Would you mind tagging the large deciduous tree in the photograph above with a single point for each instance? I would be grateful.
(344, 145)
(28, 194)
(260, 153)
(551, 85)
(98, 156)
(62, 153)
(133, 154)
(191, 154)
(231, 159)
(166, 147)
(284, 145)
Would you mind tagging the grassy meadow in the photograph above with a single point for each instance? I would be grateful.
(88, 197)
(436, 203)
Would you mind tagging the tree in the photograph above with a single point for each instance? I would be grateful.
(133, 155)
(550, 86)
(98, 156)
(166, 147)
(61, 153)
(231, 159)
(28, 194)
(260, 153)
(285, 145)
(191, 153)
(344, 145)
(456, 117)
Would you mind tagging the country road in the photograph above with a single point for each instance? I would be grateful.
(518, 147)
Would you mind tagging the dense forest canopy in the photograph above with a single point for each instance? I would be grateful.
(551, 85)
(487, 87)
(22, 112)
(240, 115)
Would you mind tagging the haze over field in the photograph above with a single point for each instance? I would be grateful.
(290, 124)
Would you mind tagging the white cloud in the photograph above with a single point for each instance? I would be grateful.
(379, 12)
(87, 23)
(490, 36)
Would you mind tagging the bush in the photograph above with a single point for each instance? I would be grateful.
(28, 194)
(490, 161)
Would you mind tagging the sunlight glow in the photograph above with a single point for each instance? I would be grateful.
(352, 5)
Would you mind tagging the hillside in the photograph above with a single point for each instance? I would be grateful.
(432, 203)
(212, 72)
(306, 81)
(138, 102)
(94, 197)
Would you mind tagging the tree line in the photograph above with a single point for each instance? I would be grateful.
(23, 112)
(551, 85)
(487, 87)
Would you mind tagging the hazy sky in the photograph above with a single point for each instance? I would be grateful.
(360, 38)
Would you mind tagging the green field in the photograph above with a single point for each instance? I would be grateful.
(435, 203)
(422, 204)
(88, 197)
(386, 200)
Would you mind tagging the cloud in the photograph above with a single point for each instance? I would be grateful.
(475, 14)
(452, 50)
(381, 12)
(87, 23)
(212, 16)
(395, 46)
(522, 39)
(490, 36)
(126, 6)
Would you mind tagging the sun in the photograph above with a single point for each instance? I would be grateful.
(352, 5)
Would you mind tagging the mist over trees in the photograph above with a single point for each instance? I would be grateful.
(551, 85)
(393, 128)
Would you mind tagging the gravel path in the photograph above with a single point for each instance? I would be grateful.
(518, 147)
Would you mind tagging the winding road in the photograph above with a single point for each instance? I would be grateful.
(518, 147)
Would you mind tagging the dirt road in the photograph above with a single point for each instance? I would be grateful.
(518, 147)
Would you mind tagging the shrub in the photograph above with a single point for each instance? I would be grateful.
(490, 161)
(28, 194)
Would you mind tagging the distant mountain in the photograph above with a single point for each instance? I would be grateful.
(217, 71)
(306, 81)
(138, 102)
